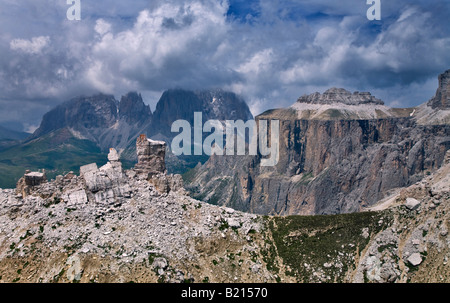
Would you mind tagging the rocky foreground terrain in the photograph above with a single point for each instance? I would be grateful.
(139, 225)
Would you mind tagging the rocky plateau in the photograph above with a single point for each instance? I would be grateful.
(339, 153)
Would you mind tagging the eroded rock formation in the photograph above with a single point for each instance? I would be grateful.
(151, 155)
(30, 180)
(61, 233)
(442, 98)
(339, 152)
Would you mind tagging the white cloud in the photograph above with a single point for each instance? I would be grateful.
(171, 41)
(33, 46)
(407, 13)
(285, 50)
(102, 27)
(30, 128)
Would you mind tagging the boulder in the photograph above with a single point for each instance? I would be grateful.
(415, 259)
(88, 169)
(167, 183)
(412, 203)
(113, 156)
(108, 183)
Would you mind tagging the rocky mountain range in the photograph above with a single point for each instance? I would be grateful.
(181, 104)
(381, 175)
(100, 119)
(339, 152)
(84, 128)
(111, 123)
(139, 225)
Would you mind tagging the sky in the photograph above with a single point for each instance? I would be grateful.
(270, 52)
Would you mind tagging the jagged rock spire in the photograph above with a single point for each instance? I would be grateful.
(442, 98)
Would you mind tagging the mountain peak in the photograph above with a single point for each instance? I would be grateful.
(133, 109)
(340, 95)
(442, 98)
(85, 112)
(215, 104)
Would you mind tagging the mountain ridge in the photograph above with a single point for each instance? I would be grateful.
(329, 163)
(107, 122)
(340, 95)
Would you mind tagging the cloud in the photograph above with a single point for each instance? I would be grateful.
(102, 27)
(33, 46)
(271, 52)
(170, 44)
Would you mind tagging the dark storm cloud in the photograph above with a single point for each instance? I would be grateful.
(271, 52)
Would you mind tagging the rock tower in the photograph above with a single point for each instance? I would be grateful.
(151, 156)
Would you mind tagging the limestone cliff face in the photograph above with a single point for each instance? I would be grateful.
(327, 165)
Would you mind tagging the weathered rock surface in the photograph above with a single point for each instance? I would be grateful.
(412, 247)
(67, 231)
(326, 166)
(442, 98)
(28, 181)
(141, 229)
(340, 95)
(151, 155)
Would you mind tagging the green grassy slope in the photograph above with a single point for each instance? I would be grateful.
(316, 240)
(58, 153)
(7, 134)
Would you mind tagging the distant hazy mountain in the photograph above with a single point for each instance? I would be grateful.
(178, 104)
(7, 134)
(86, 127)
(100, 119)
